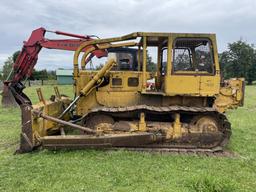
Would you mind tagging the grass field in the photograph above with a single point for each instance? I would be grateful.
(129, 171)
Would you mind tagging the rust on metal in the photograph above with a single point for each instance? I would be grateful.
(59, 121)
(57, 93)
(8, 99)
(40, 95)
(26, 140)
(85, 141)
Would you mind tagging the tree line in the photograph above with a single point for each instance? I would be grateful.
(239, 60)
(36, 74)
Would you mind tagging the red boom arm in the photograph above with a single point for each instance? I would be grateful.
(27, 59)
(23, 67)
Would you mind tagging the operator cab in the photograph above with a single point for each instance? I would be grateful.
(186, 64)
(165, 64)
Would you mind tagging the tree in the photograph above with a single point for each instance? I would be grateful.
(39, 75)
(15, 56)
(239, 61)
(7, 68)
(51, 75)
(151, 66)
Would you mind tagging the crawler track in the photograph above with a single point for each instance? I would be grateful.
(224, 125)
(209, 144)
(217, 152)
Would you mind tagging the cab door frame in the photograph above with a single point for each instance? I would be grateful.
(192, 83)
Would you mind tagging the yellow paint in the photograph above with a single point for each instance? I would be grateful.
(180, 88)
(182, 84)
(144, 63)
(230, 96)
(97, 76)
(209, 85)
(142, 123)
(177, 132)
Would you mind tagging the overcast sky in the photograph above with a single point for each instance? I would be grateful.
(230, 20)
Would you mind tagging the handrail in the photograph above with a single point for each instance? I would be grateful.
(97, 42)
(102, 47)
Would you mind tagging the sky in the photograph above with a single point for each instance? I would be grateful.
(230, 20)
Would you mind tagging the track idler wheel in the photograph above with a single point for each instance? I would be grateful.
(204, 124)
(100, 122)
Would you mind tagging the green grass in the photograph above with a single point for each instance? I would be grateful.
(129, 171)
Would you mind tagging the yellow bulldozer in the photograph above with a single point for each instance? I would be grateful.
(179, 106)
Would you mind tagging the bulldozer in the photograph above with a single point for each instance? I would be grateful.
(114, 107)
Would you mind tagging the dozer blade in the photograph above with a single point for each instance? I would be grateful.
(8, 99)
(99, 142)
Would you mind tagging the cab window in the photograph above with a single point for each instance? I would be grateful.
(192, 55)
(124, 61)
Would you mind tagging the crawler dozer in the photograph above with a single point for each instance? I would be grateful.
(113, 107)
